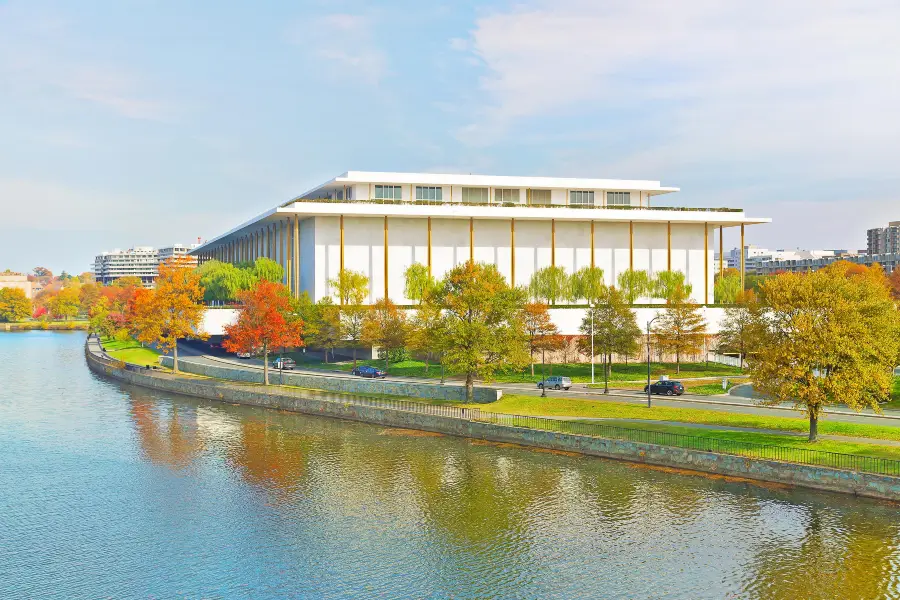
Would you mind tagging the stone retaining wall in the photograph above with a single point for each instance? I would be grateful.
(344, 385)
(437, 420)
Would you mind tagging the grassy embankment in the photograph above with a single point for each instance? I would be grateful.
(45, 325)
(130, 351)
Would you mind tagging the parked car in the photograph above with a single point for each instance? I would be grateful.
(244, 354)
(367, 371)
(284, 364)
(668, 388)
(556, 383)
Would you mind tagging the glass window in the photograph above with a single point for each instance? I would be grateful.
(429, 193)
(618, 198)
(581, 198)
(388, 192)
(506, 195)
(475, 195)
(540, 196)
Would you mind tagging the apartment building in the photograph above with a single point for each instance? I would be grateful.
(140, 261)
(181, 251)
(884, 240)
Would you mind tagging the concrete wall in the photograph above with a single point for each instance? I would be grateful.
(345, 384)
(451, 421)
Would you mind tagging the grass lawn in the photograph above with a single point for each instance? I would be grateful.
(579, 372)
(130, 352)
(895, 395)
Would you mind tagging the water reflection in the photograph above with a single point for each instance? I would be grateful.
(167, 435)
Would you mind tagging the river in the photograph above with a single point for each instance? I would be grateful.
(121, 492)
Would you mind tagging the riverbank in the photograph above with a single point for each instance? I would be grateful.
(860, 475)
(45, 326)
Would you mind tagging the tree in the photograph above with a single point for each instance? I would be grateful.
(86, 277)
(482, 322)
(615, 330)
(43, 272)
(587, 284)
(266, 269)
(633, 284)
(727, 289)
(65, 303)
(128, 281)
(538, 328)
(266, 320)
(87, 296)
(734, 330)
(549, 285)
(14, 305)
(351, 287)
(824, 337)
(325, 327)
(222, 281)
(385, 327)
(681, 329)
(419, 282)
(174, 310)
(894, 282)
(426, 329)
(666, 283)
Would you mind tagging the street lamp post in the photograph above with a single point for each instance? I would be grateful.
(543, 378)
(650, 322)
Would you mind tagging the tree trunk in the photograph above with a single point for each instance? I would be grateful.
(175, 357)
(813, 426)
(470, 387)
(606, 374)
(354, 357)
(326, 355)
(677, 362)
(386, 359)
(532, 364)
(265, 365)
(427, 358)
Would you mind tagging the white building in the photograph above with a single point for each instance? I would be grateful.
(180, 251)
(380, 223)
(140, 261)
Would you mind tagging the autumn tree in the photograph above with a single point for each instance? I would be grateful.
(426, 329)
(615, 330)
(385, 327)
(681, 329)
(173, 310)
(43, 272)
(482, 322)
(419, 282)
(65, 303)
(352, 289)
(539, 329)
(665, 284)
(550, 285)
(87, 296)
(265, 321)
(894, 282)
(824, 337)
(324, 329)
(587, 284)
(734, 329)
(128, 281)
(633, 284)
(14, 305)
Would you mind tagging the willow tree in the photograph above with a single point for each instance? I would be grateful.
(550, 285)
(727, 288)
(824, 337)
(587, 284)
(633, 284)
(482, 322)
(666, 283)
(419, 282)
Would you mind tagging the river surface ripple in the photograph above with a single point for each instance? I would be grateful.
(120, 492)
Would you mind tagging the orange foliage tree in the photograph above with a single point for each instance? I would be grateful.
(385, 326)
(542, 334)
(173, 310)
(894, 282)
(266, 320)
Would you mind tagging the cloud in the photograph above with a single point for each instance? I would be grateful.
(700, 80)
(345, 41)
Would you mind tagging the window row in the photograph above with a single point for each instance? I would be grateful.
(482, 195)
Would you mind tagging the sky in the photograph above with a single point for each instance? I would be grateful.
(151, 122)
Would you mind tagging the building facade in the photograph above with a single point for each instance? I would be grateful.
(884, 240)
(17, 281)
(381, 223)
(140, 261)
(888, 262)
(180, 251)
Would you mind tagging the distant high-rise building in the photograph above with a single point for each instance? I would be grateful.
(140, 261)
(884, 240)
(178, 251)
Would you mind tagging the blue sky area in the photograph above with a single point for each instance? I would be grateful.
(151, 122)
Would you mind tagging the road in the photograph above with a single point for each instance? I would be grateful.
(733, 403)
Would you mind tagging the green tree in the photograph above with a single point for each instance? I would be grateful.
(727, 289)
(221, 281)
(824, 337)
(324, 328)
(665, 284)
(351, 287)
(385, 327)
(419, 282)
(539, 329)
(550, 285)
(266, 269)
(681, 329)
(734, 329)
(482, 322)
(615, 330)
(426, 329)
(14, 305)
(633, 284)
(587, 284)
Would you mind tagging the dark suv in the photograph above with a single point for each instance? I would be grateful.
(668, 388)
(367, 371)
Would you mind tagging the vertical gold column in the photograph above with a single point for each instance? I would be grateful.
(512, 252)
(721, 254)
(742, 257)
(429, 246)
(706, 263)
(472, 239)
(290, 255)
(553, 242)
(296, 262)
(341, 220)
(385, 256)
(630, 245)
(593, 263)
(669, 246)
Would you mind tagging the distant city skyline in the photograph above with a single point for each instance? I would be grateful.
(128, 124)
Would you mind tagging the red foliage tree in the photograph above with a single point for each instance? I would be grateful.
(265, 321)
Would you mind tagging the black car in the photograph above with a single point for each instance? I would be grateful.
(367, 371)
(667, 388)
